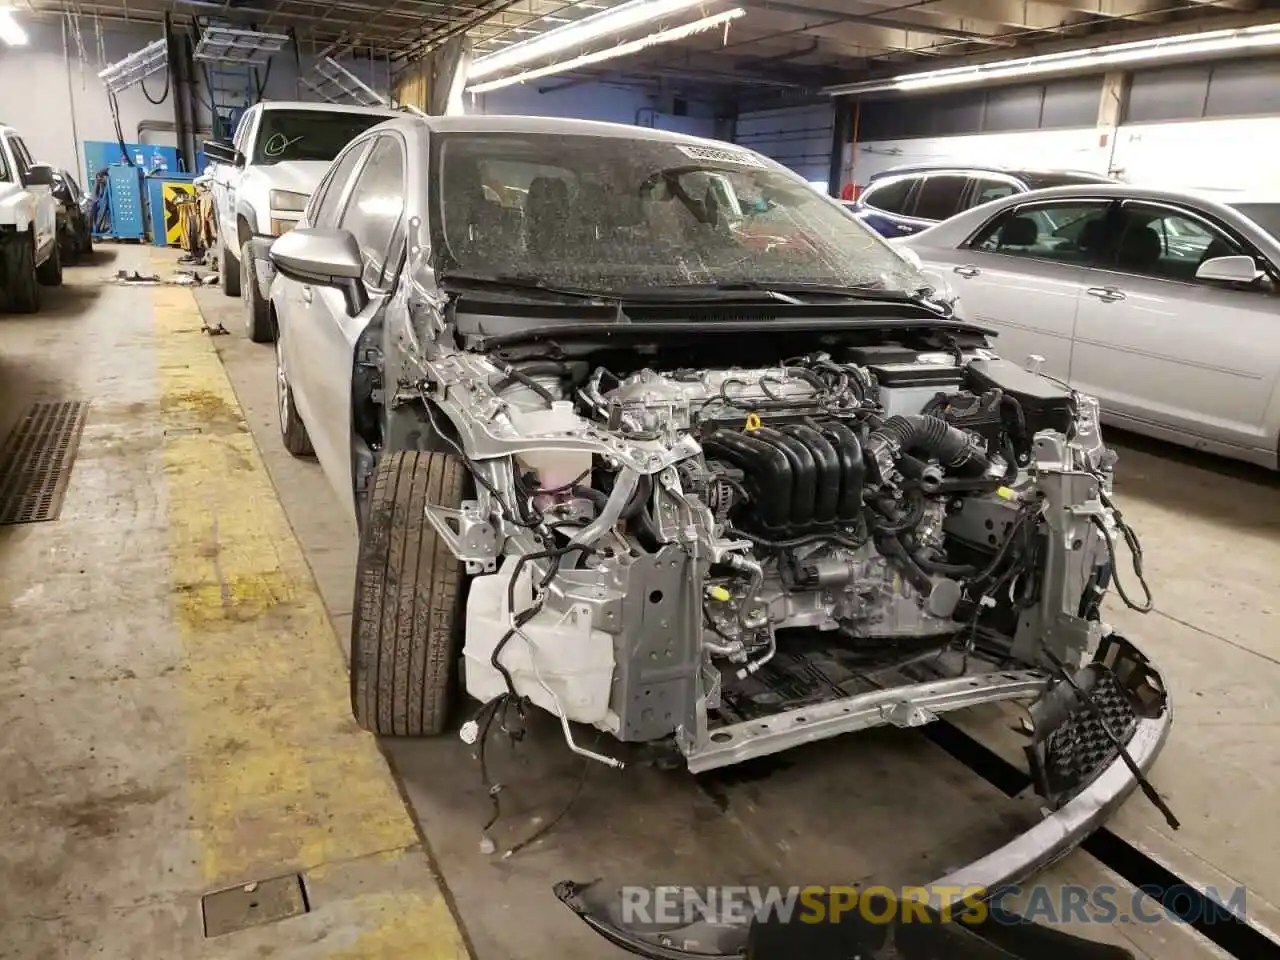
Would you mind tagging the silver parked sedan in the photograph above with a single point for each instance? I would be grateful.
(1162, 304)
(643, 431)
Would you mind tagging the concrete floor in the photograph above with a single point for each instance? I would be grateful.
(172, 692)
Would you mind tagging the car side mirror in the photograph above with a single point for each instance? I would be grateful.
(222, 152)
(1238, 269)
(323, 258)
(39, 175)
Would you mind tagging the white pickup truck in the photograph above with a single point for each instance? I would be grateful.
(29, 254)
(262, 180)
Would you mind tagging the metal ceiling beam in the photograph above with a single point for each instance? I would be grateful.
(871, 20)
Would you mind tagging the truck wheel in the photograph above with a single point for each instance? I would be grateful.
(69, 245)
(257, 308)
(228, 271)
(293, 432)
(49, 273)
(406, 634)
(22, 291)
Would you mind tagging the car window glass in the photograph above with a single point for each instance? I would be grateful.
(890, 197)
(5, 175)
(939, 196)
(985, 190)
(242, 131)
(623, 213)
(1065, 232)
(326, 210)
(376, 206)
(1161, 243)
(20, 156)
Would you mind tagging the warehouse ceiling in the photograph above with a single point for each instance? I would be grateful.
(777, 44)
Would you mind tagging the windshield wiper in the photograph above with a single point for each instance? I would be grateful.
(518, 283)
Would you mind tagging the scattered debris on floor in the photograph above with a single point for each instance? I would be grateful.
(217, 330)
(182, 278)
(134, 277)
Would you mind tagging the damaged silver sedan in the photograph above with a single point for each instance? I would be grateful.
(641, 430)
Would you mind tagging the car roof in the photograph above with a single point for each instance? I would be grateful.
(990, 168)
(498, 123)
(962, 224)
(329, 107)
(1128, 191)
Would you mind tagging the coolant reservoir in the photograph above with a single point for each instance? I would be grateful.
(555, 468)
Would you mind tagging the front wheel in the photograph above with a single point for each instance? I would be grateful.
(406, 631)
(228, 271)
(18, 278)
(49, 273)
(293, 432)
(257, 308)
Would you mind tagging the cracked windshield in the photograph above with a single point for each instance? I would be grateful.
(623, 214)
(308, 134)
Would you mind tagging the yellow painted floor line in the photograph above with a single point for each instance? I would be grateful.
(281, 779)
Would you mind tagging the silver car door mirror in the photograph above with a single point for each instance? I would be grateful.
(1240, 269)
(323, 258)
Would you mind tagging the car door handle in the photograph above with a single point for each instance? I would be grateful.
(966, 271)
(306, 294)
(1106, 294)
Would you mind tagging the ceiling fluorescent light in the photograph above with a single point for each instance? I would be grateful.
(608, 23)
(10, 32)
(1093, 58)
(622, 50)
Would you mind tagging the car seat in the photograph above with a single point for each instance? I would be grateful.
(546, 216)
(473, 222)
(1140, 249)
(1018, 232)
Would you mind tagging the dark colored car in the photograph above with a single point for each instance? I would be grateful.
(75, 233)
(905, 200)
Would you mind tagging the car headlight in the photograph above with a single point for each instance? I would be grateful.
(288, 201)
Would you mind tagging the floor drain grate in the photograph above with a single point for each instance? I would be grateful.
(253, 904)
(36, 460)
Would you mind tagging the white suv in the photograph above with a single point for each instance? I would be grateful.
(28, 226)
(262, 180)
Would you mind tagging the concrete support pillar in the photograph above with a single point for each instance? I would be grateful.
(1115, 91)
(449, 65)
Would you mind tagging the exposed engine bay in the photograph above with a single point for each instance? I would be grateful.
(743, 557)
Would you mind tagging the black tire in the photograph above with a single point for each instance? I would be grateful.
(406, 631)
(293, 432)
(49, 273)
(20, 287)
(86, 245)
(228, 271)
(257, 308)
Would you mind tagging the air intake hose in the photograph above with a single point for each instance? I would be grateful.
(925, 434)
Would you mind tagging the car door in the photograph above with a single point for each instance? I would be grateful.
(1159, 347)
(46, 209)
(1022, 273)
(372, 212)
(226, 177)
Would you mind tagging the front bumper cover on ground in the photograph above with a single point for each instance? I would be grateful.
(1050, 839)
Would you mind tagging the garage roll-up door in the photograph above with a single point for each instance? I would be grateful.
(797, 137)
